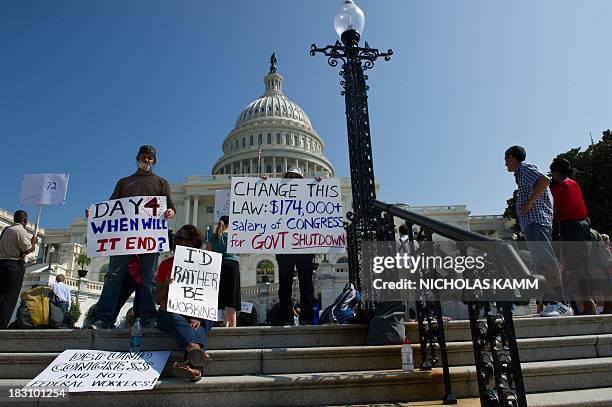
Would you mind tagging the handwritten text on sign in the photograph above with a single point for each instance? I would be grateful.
(96, 370)
(127, 226)
(286, 216)
(195, 290)
(43, 189)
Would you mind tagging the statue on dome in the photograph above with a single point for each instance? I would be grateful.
(273, 62)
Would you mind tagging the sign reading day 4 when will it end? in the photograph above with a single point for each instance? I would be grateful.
(132, 225)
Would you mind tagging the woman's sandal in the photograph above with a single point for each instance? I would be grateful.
(197, 357)
(186, 372)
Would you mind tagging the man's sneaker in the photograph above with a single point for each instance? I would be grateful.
(557, 310)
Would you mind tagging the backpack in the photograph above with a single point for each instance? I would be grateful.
(387, 325)
(40, 308)
(343, 308)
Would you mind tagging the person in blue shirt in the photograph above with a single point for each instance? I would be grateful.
(229, 286)
(534, 209)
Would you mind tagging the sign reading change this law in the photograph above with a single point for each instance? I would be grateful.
(195, 289)
(127, 226)
(281, 215)
(97, 370)
(43, 189)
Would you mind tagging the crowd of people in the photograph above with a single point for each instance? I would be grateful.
(129, 274)
(539, 202)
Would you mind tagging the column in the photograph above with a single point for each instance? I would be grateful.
(196, 200)
(273, 164)
(286, 167)
(306, 168)
(251, 170)
(187, 202)
(241, 167)
(231, 168)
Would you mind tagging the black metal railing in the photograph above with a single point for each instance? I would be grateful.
(498, 367)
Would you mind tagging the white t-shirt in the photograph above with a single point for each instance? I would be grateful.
(62, 291)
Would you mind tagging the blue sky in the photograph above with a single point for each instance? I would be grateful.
(84, 83)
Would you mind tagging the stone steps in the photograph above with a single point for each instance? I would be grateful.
(342, 388)
(51, 340)
(565, 360)
(575, 398)
(340, 358)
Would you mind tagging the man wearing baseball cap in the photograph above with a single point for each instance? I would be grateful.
(142, 183)
(287, 263)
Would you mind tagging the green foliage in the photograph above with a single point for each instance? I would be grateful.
(74, 312)
(594, 175)
(510, 212)
(83, 261)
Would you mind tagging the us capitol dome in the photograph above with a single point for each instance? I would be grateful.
(272, 134)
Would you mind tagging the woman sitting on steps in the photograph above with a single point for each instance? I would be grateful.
(190, 333)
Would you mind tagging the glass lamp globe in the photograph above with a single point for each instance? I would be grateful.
(349, 17)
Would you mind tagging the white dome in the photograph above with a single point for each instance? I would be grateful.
(272, 134)
(277, 105)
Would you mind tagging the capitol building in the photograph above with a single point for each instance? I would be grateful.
(270, 135)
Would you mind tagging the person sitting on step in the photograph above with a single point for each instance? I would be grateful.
(190, 333)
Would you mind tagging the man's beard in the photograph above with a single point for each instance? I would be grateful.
(145, 167)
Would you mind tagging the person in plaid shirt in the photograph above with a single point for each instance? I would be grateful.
(534, 209)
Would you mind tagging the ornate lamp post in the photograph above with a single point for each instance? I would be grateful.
(366, 222)
(50, 253)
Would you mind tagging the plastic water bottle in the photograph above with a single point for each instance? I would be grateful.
(315, 314)
(407, 361)
(135, 337)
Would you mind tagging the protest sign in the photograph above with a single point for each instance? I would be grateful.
(43, 189)
(195, 289)
(127, 226)
(97, 370)
(222, 203)
(282, 215)
(246, 307)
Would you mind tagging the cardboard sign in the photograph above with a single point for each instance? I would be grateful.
(97, 370)
(195, 290)
(127, 226)
(222, 203)
(246, 307)
(43, 189)
(283, 215)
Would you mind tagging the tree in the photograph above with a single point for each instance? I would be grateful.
(510, 212)
(594, 175)
(83, 261)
